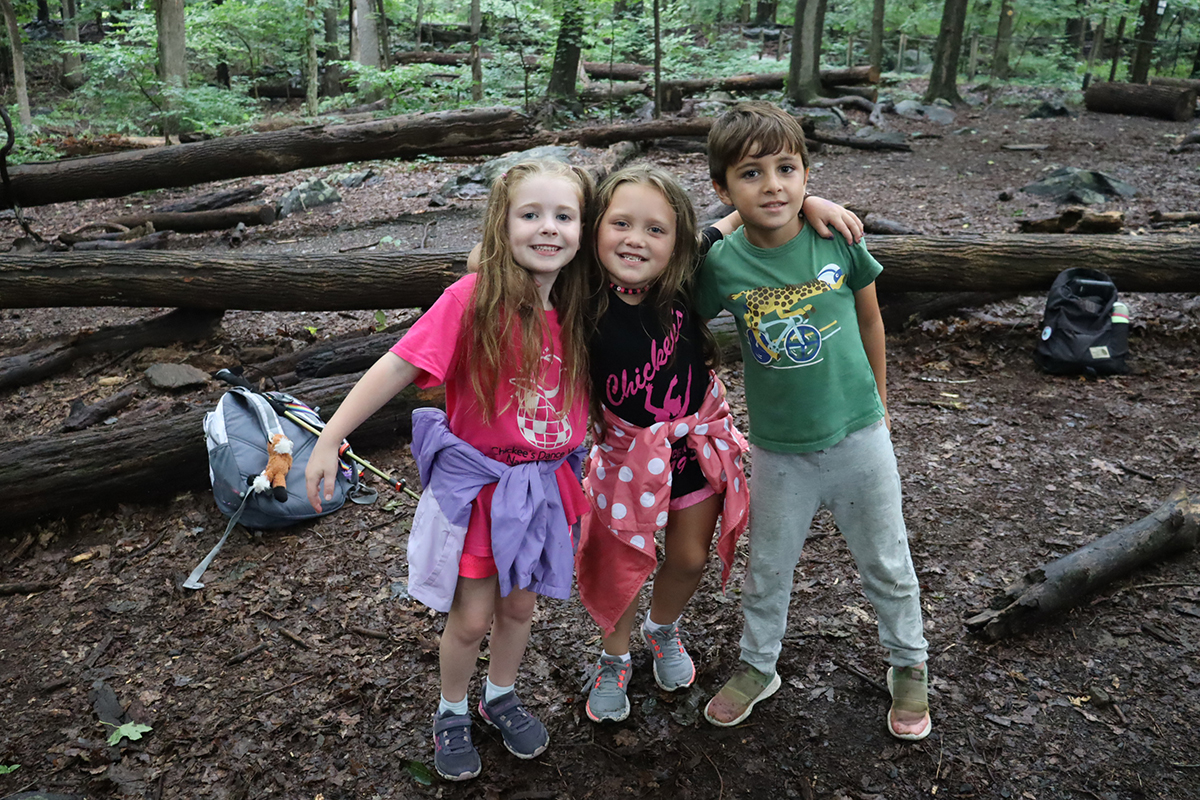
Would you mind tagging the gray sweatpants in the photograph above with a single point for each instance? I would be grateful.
(857, 480)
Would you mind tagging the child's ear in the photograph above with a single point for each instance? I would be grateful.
(722, 193)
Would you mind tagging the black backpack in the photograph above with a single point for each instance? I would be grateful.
(1085, 330)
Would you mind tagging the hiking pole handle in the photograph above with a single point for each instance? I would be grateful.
(233, 380)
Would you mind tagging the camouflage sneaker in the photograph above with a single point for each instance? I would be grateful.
(454, 755)
(673, 667)
(608, 699)
(738, 697)
(523, 734)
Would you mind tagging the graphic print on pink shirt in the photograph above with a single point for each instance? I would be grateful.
(619, 388)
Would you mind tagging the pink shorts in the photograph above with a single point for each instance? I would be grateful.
(692, 498)
(477, 560)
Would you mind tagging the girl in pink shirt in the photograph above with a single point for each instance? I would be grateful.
(507, 344)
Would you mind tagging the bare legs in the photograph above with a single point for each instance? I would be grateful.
(478, 608)
(688, 537)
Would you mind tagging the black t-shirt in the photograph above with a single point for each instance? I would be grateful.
(645, 374)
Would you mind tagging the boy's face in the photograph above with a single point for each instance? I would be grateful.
(768, 192)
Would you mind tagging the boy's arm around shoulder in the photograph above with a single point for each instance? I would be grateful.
(384, 380)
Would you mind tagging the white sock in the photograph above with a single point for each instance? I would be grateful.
(491, 691)
(624, 657)
(651, 625)
(459, 709)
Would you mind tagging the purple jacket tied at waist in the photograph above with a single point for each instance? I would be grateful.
(531, 541)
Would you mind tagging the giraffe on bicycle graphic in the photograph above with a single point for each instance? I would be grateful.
(790, 333)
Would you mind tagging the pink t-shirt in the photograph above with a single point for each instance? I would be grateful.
(533, 426)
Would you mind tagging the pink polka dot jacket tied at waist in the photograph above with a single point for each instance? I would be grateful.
(629, 486)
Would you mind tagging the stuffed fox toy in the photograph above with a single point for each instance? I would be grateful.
(279, 461)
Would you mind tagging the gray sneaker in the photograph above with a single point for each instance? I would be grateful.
(524, 735)
(454, 755)
(608, 699)
(673, 667)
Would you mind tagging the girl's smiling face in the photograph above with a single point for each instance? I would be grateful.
(544, 225)
(635, 237)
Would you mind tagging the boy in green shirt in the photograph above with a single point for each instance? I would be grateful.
(815, 380)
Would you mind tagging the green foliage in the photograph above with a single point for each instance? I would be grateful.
(7, 768)
(130, 730)
(420, 773)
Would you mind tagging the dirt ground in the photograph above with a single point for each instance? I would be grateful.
(1004, 468)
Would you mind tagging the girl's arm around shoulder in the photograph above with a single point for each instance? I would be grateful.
(388, 377)
(870, 329)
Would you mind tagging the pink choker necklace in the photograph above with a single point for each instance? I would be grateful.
(626, 290)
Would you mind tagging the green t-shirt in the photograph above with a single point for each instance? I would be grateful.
(808, 381)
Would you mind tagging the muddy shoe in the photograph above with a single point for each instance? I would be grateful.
(454, 754)
(523, 734)
(909, 687)
(738, 697)
(608, 700)
(673, 667)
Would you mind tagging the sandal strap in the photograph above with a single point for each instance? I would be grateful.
(909, 687)
(745, 686)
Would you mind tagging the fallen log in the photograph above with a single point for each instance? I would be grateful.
(52, 475)
(1176, 83)
(199, 221)
(851, 76)
(357, 280)
(856, 142)
(1162, 102)
(604, 71)
(1068, 581)
(41, 359)
(84, 416)
(904, 309)
(153, 241)
(119, 174)
(213, 200)
(1075, 220)
(1165, 219)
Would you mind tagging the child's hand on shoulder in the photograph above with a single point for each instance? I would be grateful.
(824, 214)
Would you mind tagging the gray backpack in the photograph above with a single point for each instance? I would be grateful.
(237, 433)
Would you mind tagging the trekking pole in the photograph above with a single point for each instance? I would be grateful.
(399, 484)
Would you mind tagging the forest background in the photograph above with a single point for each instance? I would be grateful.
(304, 670)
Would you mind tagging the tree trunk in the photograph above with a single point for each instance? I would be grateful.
(119, 174)
(55, 474)
(1147, 34)
(331, 79)
(1162, 102)
(172, 42)
(875, 46)
(72, 63)
(565, 69)
(804, 75)
(364, 39)
(1116, 59)
(43, 358)
(1003, 41)
(476, 55)
(1068, 581)
(764, 12)
(24, 113)
(384, 35)
(1097, 46)
(311, 67)
(943, 80)
(998, 262)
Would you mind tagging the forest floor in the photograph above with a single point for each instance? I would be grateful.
(1004, 468)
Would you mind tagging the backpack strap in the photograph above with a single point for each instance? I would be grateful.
(267, 417)
(193, 580)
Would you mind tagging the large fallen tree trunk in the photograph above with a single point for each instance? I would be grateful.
(1163, 102)
(357, 280)
(49, 357)
(119, 174)
(1066, 582)
(55, 474)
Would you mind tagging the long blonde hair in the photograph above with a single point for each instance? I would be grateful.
(506, 305)
(673, 285)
